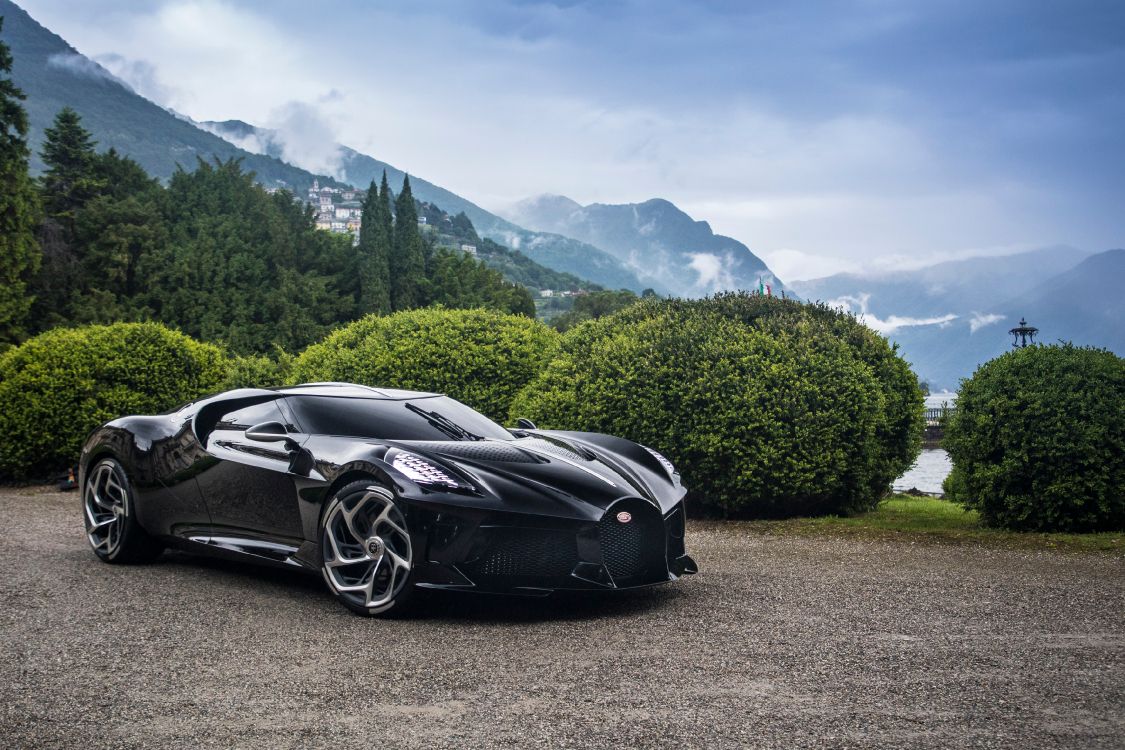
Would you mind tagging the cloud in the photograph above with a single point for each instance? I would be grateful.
(858, 305)
(714, 272)
(296, 133)
(848, 131)
(980, 320)
(79, 65)
(794, 265)
(306, 138)
(139, 75)
(256, 142)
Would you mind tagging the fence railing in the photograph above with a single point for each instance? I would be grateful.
(935, 415)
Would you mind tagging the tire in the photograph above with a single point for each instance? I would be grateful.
(366, 551)
(109, 511)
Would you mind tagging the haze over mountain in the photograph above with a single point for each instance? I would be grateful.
(551, 249)
(54, 75)
(660, 243)
(950, 317)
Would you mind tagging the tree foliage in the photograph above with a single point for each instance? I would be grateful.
(374, 250)
(593, 306)
(1038, 440)
(480, 357)
(769, 407)
(19, 205)
(58, 386)
(71, 179)
(407, 261)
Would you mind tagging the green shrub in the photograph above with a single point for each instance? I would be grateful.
(60, 385)
(480, 357)
(762, 422)
(1038, 440)
(898, 432)
(257, 371)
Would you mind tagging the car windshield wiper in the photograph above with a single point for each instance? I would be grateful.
(444, 423)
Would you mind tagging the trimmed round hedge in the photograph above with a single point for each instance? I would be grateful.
(899, 424)
(1038, 440)
(761, 403)
(480, 357)
(60, 385)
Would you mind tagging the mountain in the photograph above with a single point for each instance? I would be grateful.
(656, 240)
(55, 75)
(550, 249)
(960, 286)
(951, 317)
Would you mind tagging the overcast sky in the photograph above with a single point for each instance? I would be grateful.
(826, 136)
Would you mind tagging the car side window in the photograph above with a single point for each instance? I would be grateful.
(248, 416)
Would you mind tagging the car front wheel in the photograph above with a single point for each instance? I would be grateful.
(366, 550)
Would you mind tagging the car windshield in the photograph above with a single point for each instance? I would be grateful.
(430, 418)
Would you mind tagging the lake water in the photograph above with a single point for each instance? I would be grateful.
(927, 472)
(932, 466)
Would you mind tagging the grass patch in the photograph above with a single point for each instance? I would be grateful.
(927, 519)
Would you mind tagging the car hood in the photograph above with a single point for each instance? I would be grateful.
(543, 469)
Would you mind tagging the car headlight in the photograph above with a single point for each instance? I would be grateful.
(423, 471)
(668, 467)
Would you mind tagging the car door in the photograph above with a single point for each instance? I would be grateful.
(249, 490)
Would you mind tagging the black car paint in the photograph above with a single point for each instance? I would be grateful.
(235, 497)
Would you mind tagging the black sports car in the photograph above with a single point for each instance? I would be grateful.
(382, 492)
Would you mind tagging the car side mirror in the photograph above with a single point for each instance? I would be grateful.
(525, 424)
(267, 432)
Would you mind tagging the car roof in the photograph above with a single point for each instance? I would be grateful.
(352, 390)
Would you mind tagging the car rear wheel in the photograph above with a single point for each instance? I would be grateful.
(111, 523)
(366, 550)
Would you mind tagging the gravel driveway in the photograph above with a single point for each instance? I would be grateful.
(780, 642)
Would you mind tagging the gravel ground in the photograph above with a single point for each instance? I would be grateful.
(780, 642)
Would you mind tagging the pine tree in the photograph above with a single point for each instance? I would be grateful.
(19, 253)
(71, 179)
(374, 269)
(408, 265)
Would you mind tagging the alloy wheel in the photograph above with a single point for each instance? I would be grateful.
(367, 554)
(106, 501)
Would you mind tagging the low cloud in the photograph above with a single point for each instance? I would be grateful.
(714, 272)
(256, 142)
(793, 265)
(980, 320)
(858, 305)
(307, 139)
(81, 66)
(140, 76)
(296, 133)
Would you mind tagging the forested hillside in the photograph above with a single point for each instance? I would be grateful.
(213, 253)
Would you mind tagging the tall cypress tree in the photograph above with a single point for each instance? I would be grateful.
(19, 252)
(408, 265)
(374, 256)
(71, 179)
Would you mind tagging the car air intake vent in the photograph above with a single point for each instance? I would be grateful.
(548, 446)
(526, 553)
(485, 450)
(632, 539)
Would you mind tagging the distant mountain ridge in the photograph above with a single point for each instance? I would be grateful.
(951, 317)
(551, 249)
(54, 75)
(952, 286)
(655, 239)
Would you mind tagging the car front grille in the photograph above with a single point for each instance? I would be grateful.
(633, 548)
(533, 553)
